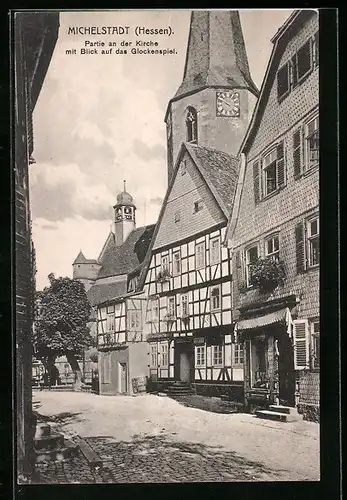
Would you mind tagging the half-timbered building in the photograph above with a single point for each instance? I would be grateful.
(188, 283)
(274, 229)
(112, 287)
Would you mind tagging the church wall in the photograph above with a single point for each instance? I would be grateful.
(222, 133)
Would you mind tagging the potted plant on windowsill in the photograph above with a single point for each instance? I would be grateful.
(163, 276)
(169, 318)
(267, 274)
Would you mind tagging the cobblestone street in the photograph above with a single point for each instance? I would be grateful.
(154, 439)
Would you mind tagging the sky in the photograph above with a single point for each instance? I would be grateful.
(100, 119)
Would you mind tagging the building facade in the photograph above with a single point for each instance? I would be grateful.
(112, 288)
(273, 233)
(35, 36)
(187, 279)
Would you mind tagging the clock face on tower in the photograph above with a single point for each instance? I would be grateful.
(228, 103)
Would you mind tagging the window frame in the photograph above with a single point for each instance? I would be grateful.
(308, 71)
(247, 263)
(220, 356)
(171, 309)
(191, 125)
(134, 313)
(155, 309)
(307, 137)
(183, 314)
(315, 336)
(237, 349)
(200, 265)
(282, 96)
(164, 355)
(153, 355)
(216, 258)
(309, 239)
(269, 238)
(216, 287)
(265, 169)
(163, 267)
(176, 272)
(200, 359)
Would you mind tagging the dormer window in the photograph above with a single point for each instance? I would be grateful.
(198, 205)
(192, 125)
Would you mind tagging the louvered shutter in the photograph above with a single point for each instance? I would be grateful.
(294, 68)
(301, 344)
(297, 153)
(300, 247)
(281, 166)
(256, 181)
(239, 274)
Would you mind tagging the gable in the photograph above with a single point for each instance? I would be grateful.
(187, 189)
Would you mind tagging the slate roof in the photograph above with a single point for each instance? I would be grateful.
(80, 259)
(216, 54)
(99, 294)
(219, 169)
(125, 258)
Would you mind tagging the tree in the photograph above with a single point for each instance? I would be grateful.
(61, 325)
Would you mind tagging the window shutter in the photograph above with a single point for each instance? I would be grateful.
(256, 182)
(281, 170)
(301, 344)
(239, 270)
(316, 43)
(300, 247)
(294, 66)
(297, 153)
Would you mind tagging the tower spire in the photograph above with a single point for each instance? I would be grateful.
(216, 53)
(124, 186)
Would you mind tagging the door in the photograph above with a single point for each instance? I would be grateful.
(184, 367)
(286, 371)
(123, 379)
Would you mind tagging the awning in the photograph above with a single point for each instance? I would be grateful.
(282, 316)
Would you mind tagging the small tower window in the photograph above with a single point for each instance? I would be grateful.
(192, 125)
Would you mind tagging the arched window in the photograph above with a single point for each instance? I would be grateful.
(192, 125)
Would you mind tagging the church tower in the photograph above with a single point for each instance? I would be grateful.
(124, 216)
(215, 101)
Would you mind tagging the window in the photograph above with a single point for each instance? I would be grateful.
(217, 355)
(198, 205)
(164, 355)
(154, 309)
(313, 242)
(154, 356)
(171, 308)
(192, 125)
(215, 298)
(200, 255)
(307, 244)
(110, 322)
(304, 60)
(274, 169)
(283, 81)
(200, 355)
(177, 263)
(312, 143)
(251, 258)
(165, 263)
(238, 354)
(315, 332)
(184, 306)
(215, 251)
(134, 320)
(177, 216)
(183, 167)
(272, 247)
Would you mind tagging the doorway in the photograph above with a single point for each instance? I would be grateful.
(184, 362)
(123, 378)
(286, 372)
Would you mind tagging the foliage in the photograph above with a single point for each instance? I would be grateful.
(267, 274)
(61, 327)
(94, 357)
(163, 275)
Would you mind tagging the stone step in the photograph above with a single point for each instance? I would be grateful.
(272, 415)
(283, 409)
(54, 440)
(57, 455)
(42, 430)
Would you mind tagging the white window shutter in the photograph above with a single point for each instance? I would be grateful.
(301, 344)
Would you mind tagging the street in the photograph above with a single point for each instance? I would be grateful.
(155, 439)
